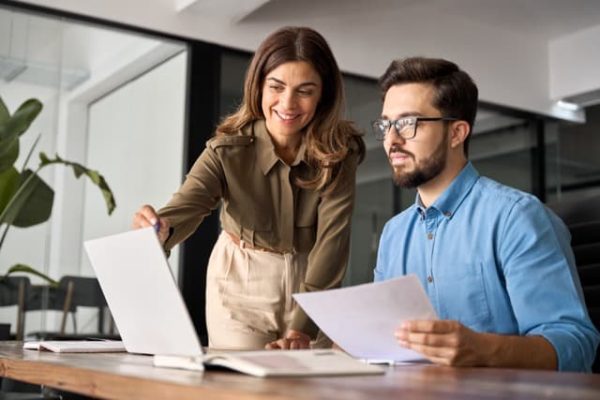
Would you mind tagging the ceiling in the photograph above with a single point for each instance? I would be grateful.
(512, 48)
(49, 51)
(543, 18)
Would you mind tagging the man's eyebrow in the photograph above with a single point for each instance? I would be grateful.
(404, 115)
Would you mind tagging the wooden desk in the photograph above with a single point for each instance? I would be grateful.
(126, 376)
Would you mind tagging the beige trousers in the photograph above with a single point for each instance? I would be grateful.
(249, 294)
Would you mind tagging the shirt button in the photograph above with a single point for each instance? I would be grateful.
(448, 214)
(430, 279)
(430, 236)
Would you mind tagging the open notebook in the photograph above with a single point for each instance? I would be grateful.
(152, 318)
(76, 346)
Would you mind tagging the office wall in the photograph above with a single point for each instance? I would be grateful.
(135, 138)
(575, 62)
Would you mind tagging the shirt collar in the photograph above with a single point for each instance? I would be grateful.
(266, 155)
(453, 196)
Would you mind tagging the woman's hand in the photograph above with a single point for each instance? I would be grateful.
(293, 340)
(146, 216)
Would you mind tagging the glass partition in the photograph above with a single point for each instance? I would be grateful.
(572, 158)
(112, 101)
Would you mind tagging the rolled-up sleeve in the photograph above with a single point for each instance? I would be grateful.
(328, 257)
(543, 286)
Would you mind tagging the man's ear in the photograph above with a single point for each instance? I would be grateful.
(459, 131)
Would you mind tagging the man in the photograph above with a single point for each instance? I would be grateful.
(495, 263)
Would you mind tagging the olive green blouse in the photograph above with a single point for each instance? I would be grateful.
(262, 206)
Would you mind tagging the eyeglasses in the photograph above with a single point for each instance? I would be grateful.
(405, 127)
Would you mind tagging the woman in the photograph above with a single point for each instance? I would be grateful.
(283, 166)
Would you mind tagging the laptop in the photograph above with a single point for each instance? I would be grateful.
(152, 318)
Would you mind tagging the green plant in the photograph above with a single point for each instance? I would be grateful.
(25, 199)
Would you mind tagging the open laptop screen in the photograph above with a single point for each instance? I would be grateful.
(142, 294)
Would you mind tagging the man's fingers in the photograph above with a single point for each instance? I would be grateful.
(428, 339)
(439, 360)
(446, 353)
(430, 326)
(421, 338)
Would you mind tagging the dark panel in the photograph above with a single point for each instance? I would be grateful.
(202, 115)
(538, 161)
(585, 233)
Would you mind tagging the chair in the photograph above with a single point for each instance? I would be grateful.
(72, 292)
(83, 292)
(582, 217)
(13, 291)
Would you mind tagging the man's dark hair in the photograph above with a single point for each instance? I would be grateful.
(455, 92)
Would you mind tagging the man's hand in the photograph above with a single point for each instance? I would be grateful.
(292, 340)
(444, 342)
(451, 343)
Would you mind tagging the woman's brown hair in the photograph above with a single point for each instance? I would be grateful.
(329, 138)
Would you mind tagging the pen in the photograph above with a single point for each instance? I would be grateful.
(156, 226)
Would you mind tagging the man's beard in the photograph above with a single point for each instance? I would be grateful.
(425, 170)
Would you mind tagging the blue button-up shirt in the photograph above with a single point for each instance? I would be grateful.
(497, 260)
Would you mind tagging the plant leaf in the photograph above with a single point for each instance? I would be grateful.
(21, 119)
(31, 204)
(9, 184)
(79, 170)
(4, 114)
(33, 146)
(38, 206)
(30, 270)
(9, 152)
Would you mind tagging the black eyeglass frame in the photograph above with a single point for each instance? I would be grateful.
(380, 135)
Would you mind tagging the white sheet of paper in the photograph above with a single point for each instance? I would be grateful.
(361, 319)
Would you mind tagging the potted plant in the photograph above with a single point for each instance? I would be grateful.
(25, 199)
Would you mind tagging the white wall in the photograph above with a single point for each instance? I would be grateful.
(136, 140)
(127, 58)
(575, 63)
